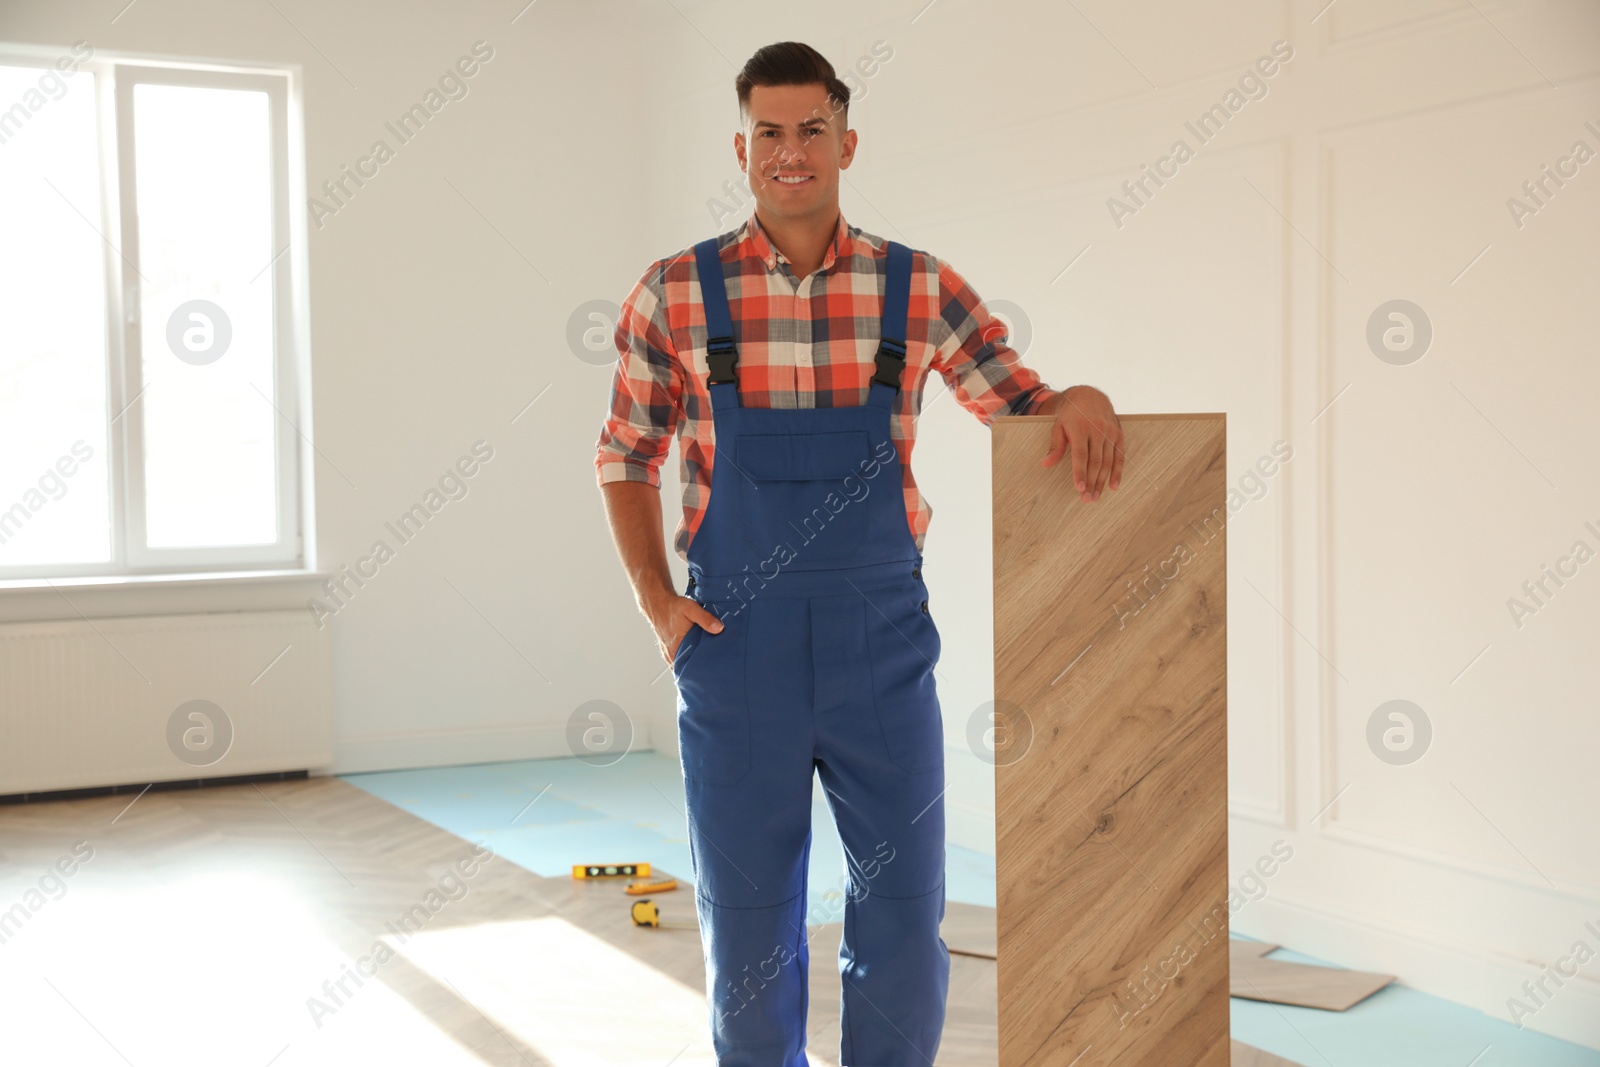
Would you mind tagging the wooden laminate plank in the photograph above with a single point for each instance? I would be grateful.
(1239, 949)
(1300, 984)
(968, 929)
(1111, 756)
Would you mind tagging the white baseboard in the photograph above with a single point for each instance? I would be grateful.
(1476, 977)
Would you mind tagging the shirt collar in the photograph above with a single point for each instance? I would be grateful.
(770, 255)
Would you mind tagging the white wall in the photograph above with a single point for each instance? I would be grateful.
(1375, 565)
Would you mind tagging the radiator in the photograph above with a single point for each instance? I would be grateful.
(122, 701)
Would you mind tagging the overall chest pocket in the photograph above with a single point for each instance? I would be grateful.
(810, 490)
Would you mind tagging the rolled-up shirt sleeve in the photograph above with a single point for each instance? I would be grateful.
(645, 389)
(986, 376)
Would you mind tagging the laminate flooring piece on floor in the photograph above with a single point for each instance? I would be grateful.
(1248, 1056)
(968, 929)
(1281, 982)
(1240, 949)
(1111, 752)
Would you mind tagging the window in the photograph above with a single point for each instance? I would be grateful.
(151, 318)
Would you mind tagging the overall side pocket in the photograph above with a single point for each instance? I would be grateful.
(904, 646)
(713, 714)
(686, 647)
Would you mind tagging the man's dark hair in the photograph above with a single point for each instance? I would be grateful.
(793, 63)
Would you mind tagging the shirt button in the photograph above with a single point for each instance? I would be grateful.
(916, 572)
(924, 607)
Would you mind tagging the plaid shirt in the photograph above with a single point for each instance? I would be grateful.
(802, 344)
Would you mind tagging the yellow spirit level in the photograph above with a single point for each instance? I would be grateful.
(611, 870)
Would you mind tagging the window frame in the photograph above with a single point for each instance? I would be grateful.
(115, 77)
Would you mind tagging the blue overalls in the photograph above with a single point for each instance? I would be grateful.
(825, 661)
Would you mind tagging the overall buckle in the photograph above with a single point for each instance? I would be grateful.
(720, 358)
(891, 362)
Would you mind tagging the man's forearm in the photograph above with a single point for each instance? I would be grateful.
(634, 511)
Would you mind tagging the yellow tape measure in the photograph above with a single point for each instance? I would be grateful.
(646, 913)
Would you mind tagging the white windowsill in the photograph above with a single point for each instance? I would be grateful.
(151, 581)
(193, 592)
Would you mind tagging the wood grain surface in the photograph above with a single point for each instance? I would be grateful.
(1110, 750)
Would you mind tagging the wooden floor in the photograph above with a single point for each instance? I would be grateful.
(215, 927)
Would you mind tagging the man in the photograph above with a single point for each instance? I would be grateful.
(789, 358)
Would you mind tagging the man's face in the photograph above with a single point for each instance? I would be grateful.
(792, 132)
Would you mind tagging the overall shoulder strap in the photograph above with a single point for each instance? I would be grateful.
(720, 352)
(891, 357)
